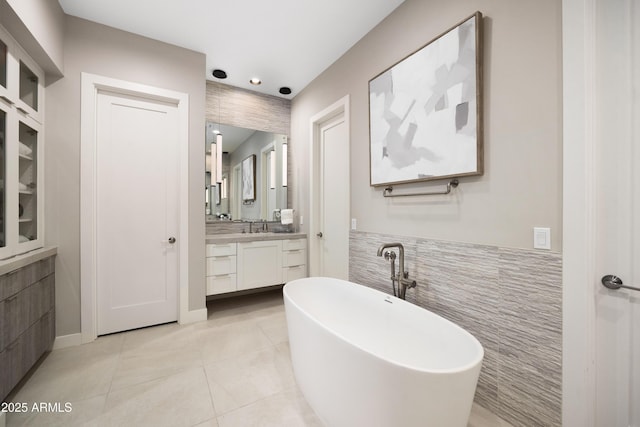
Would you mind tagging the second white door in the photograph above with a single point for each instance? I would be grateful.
(136, 212)
(330, 193)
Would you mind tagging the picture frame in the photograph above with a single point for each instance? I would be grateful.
(249, 178)
(425, 111)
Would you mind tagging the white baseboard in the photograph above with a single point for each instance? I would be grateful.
(65, 341)
(194, 316)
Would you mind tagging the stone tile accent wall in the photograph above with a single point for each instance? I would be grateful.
(509, 299)
(226, 227)
(247, 109)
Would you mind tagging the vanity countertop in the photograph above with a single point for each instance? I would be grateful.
(251, 237)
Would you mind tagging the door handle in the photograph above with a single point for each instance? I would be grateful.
(172, 240)
(319, 234)
(614, 282)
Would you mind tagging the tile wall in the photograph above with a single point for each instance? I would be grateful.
(509, 299)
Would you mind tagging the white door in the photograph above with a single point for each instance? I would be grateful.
(617, 133)
(330, 193)
(136, 212)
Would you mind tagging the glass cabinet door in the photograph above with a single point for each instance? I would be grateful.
(21, 150)
(27, 183)
(28, 87)
(7, 63)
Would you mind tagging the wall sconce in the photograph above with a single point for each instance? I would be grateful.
(272, 169)
(284, 164)
(218, 158)
(224, 187)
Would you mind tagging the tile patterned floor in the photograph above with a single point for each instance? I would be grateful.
(232, 371)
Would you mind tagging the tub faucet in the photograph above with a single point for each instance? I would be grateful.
(403, 276)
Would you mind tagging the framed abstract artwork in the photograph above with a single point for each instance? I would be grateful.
(425, 112)
(249, 178)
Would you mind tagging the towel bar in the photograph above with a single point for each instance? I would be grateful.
(451, 184)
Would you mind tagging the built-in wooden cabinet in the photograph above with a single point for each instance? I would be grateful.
(21, 150)
(27, 319)
(254, 264)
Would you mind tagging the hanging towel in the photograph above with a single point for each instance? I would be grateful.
(286, 216)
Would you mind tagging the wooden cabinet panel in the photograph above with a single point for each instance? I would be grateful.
(294, 244)
(224, 249)
(221, 268)
(217, 266)
(259, 264)
(293, 273)
(221, 284)
(294, 258)
(27, 320)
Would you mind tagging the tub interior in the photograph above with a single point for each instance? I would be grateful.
(390, 328)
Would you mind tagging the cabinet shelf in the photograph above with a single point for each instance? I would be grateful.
(25, 158)
(25, 220)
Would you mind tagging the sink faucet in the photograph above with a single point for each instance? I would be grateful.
(403, 276)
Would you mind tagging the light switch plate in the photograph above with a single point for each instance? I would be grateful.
(541, 238)
(353, 223)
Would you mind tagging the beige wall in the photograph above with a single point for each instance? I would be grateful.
(521, 186)
(101, 50)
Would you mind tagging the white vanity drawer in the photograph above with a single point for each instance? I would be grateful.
(221, 249)
(221, 284)
(293, 273)
(291, 258)
(294, 244)
(220, 265)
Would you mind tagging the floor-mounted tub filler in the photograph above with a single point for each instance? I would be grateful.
(365, 358)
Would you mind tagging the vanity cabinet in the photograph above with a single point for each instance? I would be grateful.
(27, 319)
(253, 264)
(221, 268)
(259, 264)
(21, 150)
(294, 259)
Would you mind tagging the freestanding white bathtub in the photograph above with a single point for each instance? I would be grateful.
(365, 358)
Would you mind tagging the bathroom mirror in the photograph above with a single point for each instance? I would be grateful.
(226, 191)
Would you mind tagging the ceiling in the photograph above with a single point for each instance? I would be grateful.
(282, 42)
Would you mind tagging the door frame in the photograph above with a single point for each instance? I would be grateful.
(91, 84)
(340, 107)
(582, 251)
(579, 214)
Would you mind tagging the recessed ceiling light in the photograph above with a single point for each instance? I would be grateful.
(285, 90)
(219, 74)
(255, 81)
